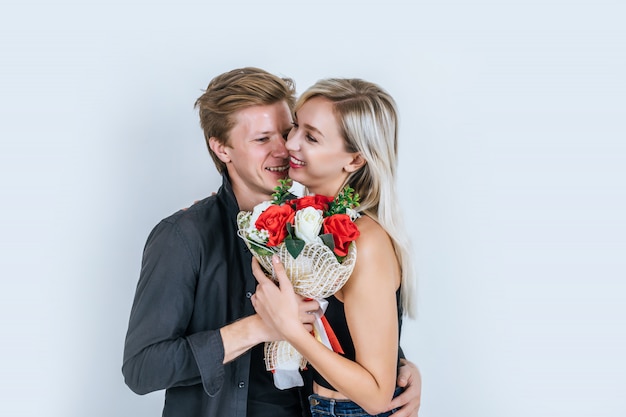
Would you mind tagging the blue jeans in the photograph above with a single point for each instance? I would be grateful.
(328, 407)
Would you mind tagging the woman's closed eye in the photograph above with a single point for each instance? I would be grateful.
(307, 136)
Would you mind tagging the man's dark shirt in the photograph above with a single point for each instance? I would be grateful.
(196, 278)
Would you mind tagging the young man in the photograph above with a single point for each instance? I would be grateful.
(193, 330)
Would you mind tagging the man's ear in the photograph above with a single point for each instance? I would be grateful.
(219, 149)
(357, 163)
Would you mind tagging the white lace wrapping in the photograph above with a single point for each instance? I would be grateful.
(315, 273)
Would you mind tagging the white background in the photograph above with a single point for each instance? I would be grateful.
(512, 179)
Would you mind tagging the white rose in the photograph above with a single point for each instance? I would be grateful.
(258, 209)
(308, 223)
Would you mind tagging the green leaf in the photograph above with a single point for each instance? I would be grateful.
(281, 193)
(262, 251)
(328, 240)
(345, 199)
(294, 246)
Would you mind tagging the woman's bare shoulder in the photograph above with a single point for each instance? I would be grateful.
(376, 258)
(371, 233)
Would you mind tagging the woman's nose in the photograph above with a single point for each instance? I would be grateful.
(292, 141)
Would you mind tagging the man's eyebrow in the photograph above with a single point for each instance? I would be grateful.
(264, 132)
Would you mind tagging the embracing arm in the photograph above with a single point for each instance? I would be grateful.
(157, 355)
(371, 313)
(159, 351)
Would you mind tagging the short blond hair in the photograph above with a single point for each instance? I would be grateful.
(232, 91)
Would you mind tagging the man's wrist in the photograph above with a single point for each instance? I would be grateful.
(240, 336)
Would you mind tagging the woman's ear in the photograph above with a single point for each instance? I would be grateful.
(219, 149)
(357, 163)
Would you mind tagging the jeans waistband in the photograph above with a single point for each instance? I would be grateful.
(323, 406)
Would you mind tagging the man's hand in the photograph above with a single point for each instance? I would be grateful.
(410, 379)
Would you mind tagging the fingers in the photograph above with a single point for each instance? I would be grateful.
(311, 305)
(279, 271)
(403, 376)
(307, 308)
(407, 407)
(258, 272)
(278, 305)
(409, 401)
(307, 318)
(281, 275)
(409, 374)
(401, 400)
(194, 202)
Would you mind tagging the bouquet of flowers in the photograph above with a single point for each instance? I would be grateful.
(314, 238)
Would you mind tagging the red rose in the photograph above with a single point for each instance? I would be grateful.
(274, 219)
(343, 230)
(320, 202)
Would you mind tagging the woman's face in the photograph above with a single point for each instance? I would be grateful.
(317, 155)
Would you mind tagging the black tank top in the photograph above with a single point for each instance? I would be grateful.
(337, 319)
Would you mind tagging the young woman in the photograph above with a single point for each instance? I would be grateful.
(345, 133)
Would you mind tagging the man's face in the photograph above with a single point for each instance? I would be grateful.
(256, 157)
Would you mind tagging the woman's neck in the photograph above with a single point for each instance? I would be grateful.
(329, 191)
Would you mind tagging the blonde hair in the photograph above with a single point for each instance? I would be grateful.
(235, 90)
(368, 120)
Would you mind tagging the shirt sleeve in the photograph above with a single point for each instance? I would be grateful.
(158, 352)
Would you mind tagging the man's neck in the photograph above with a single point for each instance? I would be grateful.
(247, 202)
(245, 199)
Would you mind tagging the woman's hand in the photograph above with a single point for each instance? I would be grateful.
(280, 307)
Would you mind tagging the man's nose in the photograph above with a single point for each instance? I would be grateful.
(279, 148)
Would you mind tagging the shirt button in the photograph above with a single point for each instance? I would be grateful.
(248, 294)
(241, 384)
